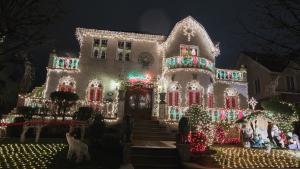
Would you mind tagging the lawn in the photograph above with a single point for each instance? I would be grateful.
(238, 157)
(39, 156)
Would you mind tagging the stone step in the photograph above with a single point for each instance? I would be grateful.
(154, 138)
(154, 158)
(153, 151)
(155, 166)
(146, 132)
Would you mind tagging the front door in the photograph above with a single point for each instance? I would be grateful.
(138, 102)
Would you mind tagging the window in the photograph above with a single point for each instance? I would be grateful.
(188, 50)
(210, 100)
(174, 95)
(123, 51)
(231, 99)
(210, 96)
(99, 48)
(290, 83)
(257, 86)
(194, 93)
(94, 91)
(66, 84)
(173, 98)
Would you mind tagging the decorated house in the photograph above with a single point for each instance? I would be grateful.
(149, 76)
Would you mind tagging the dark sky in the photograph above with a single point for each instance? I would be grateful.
(219, 17)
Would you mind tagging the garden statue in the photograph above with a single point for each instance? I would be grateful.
(78, 148)
(293, 140)
(246, 135)
(268, 146)
(258, 141)
(276, 136)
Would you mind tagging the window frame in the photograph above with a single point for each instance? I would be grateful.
(124, 49)
(100, 48)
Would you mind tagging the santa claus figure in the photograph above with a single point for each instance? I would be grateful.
(276, 136)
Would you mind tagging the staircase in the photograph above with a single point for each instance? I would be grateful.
(150, 130)
(153, 147)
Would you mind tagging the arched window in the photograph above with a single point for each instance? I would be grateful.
(66, 84)
(94, 91)
(210, 97)
(194, 93)
(174, 94)
(231, 99)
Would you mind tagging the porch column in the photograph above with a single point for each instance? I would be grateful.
(162, 106)
(121, 104)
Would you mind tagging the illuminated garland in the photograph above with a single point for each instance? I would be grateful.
(189, 62)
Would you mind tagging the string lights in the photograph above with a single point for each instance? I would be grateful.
(28, 155)
(238, 157)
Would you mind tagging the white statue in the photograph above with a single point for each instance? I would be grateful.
(275, 132)
(294, 143)
(78, 148)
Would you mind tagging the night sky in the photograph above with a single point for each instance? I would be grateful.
(219, 17)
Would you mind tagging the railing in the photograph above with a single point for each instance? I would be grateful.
(67, 63)
(217, 114)
(189, 62)
(231, 75)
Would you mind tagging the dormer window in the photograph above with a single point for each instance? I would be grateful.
(189, 50)
(99, 49)
(123, 51)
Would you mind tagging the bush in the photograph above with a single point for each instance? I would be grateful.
(54, 131)
(112, 152)
(15, 131)
(96, 129)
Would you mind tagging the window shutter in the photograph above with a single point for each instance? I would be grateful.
(176, 98)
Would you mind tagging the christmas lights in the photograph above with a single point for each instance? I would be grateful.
(68, 63)
(237, 157)
(28, 155)
(232, 75)
(199, 29)
(189, 62)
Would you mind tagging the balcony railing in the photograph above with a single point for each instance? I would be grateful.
(66, 63)
(189, 62)
(217, 114)
(231, 75)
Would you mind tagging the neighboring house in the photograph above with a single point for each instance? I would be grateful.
(270, 75)
(149, 76)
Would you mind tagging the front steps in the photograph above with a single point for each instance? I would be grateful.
(154, 158)
(151, 131)
(153, 147)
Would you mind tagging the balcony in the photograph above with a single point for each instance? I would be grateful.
(65, 63)
(189, 62)
(231, 75)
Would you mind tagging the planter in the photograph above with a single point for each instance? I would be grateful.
(184, 152)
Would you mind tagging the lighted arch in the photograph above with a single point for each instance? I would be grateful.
(231, 99)
(194, 93)
(94, 91)
(66, 84)
(174, 94)
(190, 22)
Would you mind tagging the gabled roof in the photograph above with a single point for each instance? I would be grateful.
(272, 62)
(193, 24)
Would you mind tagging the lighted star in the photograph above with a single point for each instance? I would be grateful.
(188, 31)
(252, 102)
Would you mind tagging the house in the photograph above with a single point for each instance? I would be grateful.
(270, 76)
(149, 76)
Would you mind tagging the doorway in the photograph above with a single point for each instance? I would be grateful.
(138, 102)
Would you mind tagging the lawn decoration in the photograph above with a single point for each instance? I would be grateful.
(78, 148)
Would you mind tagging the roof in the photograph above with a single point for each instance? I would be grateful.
(81, 32)
(272, 62)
